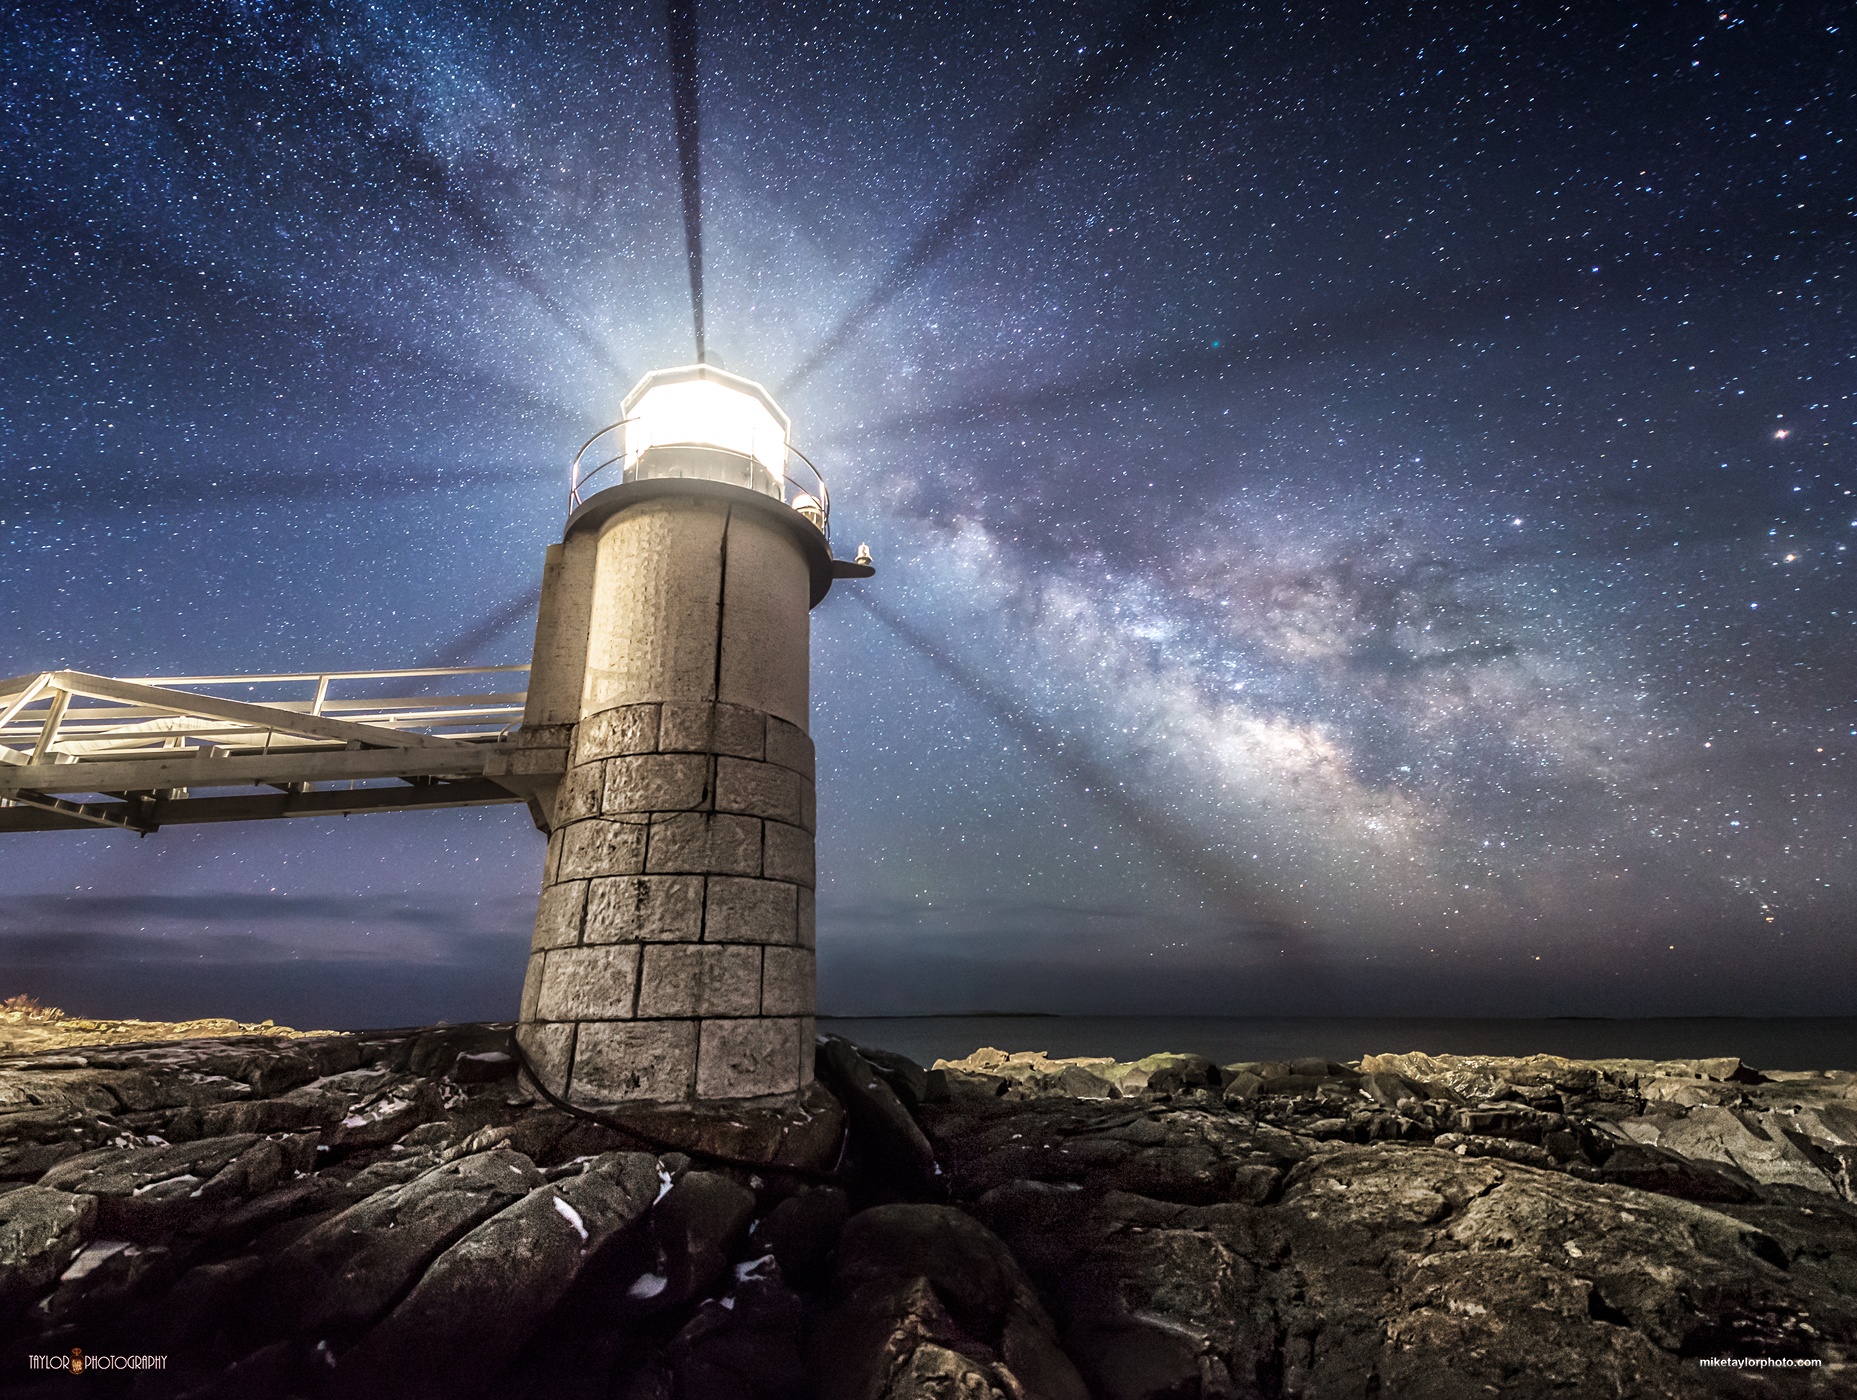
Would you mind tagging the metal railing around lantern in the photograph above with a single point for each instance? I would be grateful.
(604, 451)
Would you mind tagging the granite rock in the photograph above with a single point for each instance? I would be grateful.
(41, 1231)
(884, 1134)
(479, 1301)
(746, 1345)
(911, 1275)
(696, 1226)
(347, 1271)
(802, 1231)
(390, 1212)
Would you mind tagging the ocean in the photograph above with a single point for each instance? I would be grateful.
(1779, 1043)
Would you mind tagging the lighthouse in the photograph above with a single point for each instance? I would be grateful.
(673, 952)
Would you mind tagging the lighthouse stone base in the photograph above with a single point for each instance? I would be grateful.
(673, 951)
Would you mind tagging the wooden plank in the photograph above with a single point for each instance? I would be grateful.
(29, 689)
(77, 814)
(318, 675)
(258, 716)
(73, 736)
(194, 810)
(414, 710)
(187, 769)
(409, 704)
(61, 700)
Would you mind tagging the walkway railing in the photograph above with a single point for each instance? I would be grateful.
(149, 742)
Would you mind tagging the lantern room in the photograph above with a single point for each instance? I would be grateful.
(703, 423)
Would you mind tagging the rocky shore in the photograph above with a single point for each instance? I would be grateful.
(399, 1213)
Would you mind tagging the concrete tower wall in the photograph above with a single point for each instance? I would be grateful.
(673, 949)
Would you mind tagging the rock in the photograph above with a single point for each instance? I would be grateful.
(1501, 1121)
(261, 1372)
(205, 1300)
(280, 1074)
(1685, 1092)
(1158, 1299)
(1172, 1080)
(28, 1161)
(1834, 1125)
(1174, 1071)
(1074, 1081)
(883, 1133)
(695, 1226)
(1333, 1130)
(1479, 1076)
(966, 1087)
(651, 1380)
(745, 1346)
(366, 1179)
(1287, 1085)
(907, 1078)
(1647, 1168)
(484, 1068)
(481, 1299)
(802, 1231)
(982, 1061)
(1242, 1087)
(351, 1268)
(144, 1192)
(1726, 1069)
(932, 1371)
(336, 1093)
(909, 1275)
(807, 1132)
(335, 1054)
(1033, 1068)
(1177, 1156)
(1507, 1149)
(387, 1118)
(231, 1119)
(106, 1277)
(133, 1089)
(435, 1052)
(1390, 1090)
(1756, 1143)
(66, 1093)
(1263, 1069)
(41, 1230)
(1288, 1233)
(260, 1167)
(1380, 1261)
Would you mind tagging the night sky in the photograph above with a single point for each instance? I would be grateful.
(1363, 497)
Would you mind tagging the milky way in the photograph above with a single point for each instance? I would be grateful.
(1363, 499)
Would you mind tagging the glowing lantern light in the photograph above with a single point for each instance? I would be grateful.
(703, 423)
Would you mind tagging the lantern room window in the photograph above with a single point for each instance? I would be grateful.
(703, 423)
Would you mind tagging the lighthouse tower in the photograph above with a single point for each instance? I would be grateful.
(672, 960)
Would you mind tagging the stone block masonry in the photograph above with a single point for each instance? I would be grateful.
(673, 953)
(673, 950)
